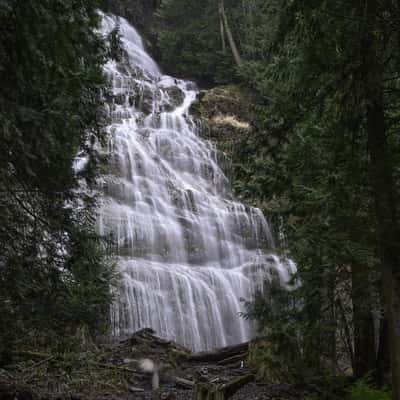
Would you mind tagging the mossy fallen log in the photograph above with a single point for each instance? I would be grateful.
(220, 354)
(209, 391)
(234, 359)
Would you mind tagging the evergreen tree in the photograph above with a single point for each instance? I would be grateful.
(325, 161)
(53, 274)
(189, 38)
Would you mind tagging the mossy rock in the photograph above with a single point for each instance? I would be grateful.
(224, 100)
(227, 111)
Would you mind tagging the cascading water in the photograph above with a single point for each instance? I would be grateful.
(187, 251)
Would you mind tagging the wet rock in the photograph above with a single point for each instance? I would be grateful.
(146, 100)
(176, 96)
(120, 99)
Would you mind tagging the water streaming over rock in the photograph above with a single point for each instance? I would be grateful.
(188, 252)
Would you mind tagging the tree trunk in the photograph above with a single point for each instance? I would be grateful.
(328, 314)
(222, 30)
(382, 184)
(383, 358)
(388, 236)
(231, 40)
(364, 332)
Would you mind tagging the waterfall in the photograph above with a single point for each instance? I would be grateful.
(187, 251)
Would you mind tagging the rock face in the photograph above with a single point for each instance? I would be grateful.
(226, 113)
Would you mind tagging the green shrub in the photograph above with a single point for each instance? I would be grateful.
(362, 390)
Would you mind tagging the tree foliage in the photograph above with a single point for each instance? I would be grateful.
(53, 273)
(313, 157)
(190, 43)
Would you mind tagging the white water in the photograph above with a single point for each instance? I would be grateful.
(187, 251)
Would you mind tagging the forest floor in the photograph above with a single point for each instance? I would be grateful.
(113, 372)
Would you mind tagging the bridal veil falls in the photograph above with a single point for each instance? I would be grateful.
(188, 253)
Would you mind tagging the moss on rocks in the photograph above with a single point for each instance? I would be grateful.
(226, 113)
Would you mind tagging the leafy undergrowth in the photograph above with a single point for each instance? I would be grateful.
(363, 390)
(335, 388)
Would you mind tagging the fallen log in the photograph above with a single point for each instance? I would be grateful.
(207, 391)
(220, 354)
(134, 389)
(38, 364)
(186, 383)
(131, 371)
(233, 359)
